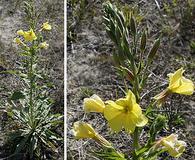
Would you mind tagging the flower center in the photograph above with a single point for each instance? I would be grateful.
(127, 109)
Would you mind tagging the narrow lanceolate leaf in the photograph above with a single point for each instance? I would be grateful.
(109, 155)
(116, 59)
(17, 95)
(143, 41)
(128, 73)
(139, 68)
(153, 51)
(111, 35)
(22, 143)
(133, 26)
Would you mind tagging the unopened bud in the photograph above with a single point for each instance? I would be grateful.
(143, 41)
(153, 51)
(133, 25)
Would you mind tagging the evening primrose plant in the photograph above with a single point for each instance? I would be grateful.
(34, 135)
(132, 62)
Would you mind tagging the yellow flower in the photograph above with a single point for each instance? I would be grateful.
(29, 35)
(18, 41)
(94, 104)
(20, 32)
(85, 130)
(44, 45)
(46, 26)
(171, 144)
(179, 84)
(124, 113)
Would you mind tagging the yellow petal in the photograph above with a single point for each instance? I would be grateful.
(181, 145)
(170, 148)
(18, 41)
(44, 45)
(20, 32)
(129, 123)
(179, 84)
(121, 101)
(30, 35)
(94, 104)
(114, 105)
(83, 130)
(142, 121)
(175, 77)
(128, 101)
(131, 99)
(116, 123)
(186, 87)
(112, 110)
(114, 115)
(174, 147)
(137, 111)
(139, 118)
(46, 26)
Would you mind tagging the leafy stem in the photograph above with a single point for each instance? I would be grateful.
(31, 77)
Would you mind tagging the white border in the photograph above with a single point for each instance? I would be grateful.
(65, 75)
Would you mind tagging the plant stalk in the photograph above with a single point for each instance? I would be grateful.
(31, 87)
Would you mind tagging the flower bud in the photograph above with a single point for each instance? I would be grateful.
(143, 41)
(133, 25)
(85, 130)
(94, 104)
(18, 41)
(20, 32)
(153, 51)
(46, 26)
(44, 45)
(173, 146)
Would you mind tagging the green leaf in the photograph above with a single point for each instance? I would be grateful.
(143, 42)
(142, 150)
(133, 26)
(109, 154)
(158, 124)
(9, 72)
(22, 143)
(153, 51)
(17, 95)
(33, 145)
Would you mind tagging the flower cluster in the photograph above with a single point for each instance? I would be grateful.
(30, 36)
(126, 113)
